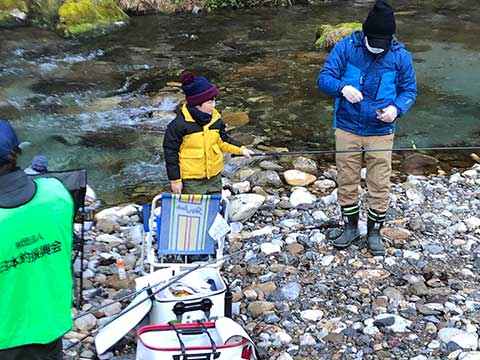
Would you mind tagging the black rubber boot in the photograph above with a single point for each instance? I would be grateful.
(374, 239)
(351, 232)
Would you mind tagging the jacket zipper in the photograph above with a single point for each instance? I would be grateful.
(370, 68)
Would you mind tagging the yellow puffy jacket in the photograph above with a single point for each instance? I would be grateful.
(195, 152)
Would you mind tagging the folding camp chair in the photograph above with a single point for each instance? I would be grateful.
(182, 227)
(76, 183)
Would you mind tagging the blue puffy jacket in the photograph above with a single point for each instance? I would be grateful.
(388, 79)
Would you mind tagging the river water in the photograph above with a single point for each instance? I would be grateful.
(94, 103)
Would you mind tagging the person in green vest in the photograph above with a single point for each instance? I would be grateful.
(36, 218)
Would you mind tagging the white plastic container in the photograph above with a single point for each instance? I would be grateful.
(165, 302)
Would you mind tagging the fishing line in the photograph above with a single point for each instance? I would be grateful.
(362, 150)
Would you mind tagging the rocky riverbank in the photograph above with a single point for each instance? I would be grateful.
(301, 299)
(93, 18)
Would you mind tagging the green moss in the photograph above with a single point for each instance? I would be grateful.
(80, 16)
(329, 35)
(6, 6)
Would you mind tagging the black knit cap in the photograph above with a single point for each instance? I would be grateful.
(380, 23)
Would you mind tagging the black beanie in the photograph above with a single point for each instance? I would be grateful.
(380, 21)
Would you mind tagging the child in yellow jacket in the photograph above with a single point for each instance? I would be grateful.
(196, 139)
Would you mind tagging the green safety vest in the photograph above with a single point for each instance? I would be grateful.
(35, 267)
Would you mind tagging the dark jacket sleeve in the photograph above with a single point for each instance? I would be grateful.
(171, 147)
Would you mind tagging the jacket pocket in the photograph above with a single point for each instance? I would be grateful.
(387, 88)
(192, 164)
(191, 153)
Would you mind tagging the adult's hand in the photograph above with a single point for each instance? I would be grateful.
(176, 187)
(247, 153)
(352, 94)
(389, 114)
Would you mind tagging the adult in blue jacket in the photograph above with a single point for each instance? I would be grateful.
(371, 76)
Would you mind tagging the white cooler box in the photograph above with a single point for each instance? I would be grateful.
(223, 340)
(203, 306)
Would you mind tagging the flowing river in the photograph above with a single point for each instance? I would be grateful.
(104, 103)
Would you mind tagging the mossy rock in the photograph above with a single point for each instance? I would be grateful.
(81, 17)
(329, 35)
(12, 12)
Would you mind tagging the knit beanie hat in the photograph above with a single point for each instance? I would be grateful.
(197, 89)
(380, 25)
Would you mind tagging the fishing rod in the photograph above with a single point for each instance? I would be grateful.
(151, 294)
(175, 279)
(363, 150)
(124, 311)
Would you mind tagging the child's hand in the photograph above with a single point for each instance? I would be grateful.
(176, 187)
(247, 153)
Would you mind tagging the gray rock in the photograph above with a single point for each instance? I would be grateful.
(86, 322)
(270, 165)
(306, 165)
(398, 324)
(107, 225)
(267, 178)
(291, 291)
(419, 289)
(384, 322)
(463, 339)
(307, 340)
(425, 310)
(260, 307)
(301, 196)
(393, 294)
(243, 206)
(434, 249)
(272, 319)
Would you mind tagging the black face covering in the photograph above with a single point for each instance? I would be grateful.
(380, 26)
(374, 42)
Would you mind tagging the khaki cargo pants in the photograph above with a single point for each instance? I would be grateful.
(349, 165)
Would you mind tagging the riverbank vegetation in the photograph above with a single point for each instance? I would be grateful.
(87, 17)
